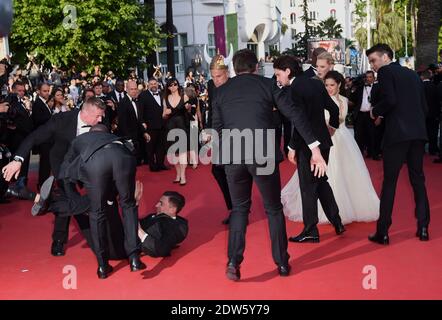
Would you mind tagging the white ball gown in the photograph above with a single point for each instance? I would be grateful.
(348, 177)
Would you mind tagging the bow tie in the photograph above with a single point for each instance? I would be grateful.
(135, 100)
(368, 85)
(86, 126)
(156, 94)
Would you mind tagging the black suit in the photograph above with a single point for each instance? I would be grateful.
(130, 123)
(61, 129)
(153, 117)
(247, 102)
(403, 105)
(310, 72)
(102, 162)
(40, 115)
(433, 115)
(164, 234)
(310, 95)
(23, 127)
(364, 127)
(218, 171)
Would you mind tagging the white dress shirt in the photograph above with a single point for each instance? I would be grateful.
(366, 104)
(82, 127)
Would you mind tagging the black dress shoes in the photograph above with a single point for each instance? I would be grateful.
(340, 229)
(305, 237)
(163, 168)
(39, 207)
(232, 272)
(284, 270)
(57, 248)
(377, 238)
(104, 271)
(136, 264)
(422, 234)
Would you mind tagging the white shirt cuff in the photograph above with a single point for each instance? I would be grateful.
(144, 237)
(21, 159)
(314, 145)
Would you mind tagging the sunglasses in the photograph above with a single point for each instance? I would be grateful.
(173, 85)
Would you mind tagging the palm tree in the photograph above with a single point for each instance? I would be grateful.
(330, 28)
(428, 28)
(150, 59)
(389, 25)
(170, 45)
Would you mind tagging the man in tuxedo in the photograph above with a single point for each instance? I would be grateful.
(310, 95)
(62, 128)
(433, 112)
(118, 94)
(219, 72)
(403, 105)
(41, 113)
(102, 162)
(244, 105)
(20, 111)
(439, 94)
(160, 233)
(131, 122)
(364, 126)
(150, 101)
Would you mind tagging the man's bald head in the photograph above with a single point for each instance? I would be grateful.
(132, 89)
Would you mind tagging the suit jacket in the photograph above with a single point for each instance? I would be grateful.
(22, 121)
(402, 103)
(246, 102)
(113, 95)
(310, 95)
(211, 90)
(153, 112)
(310, 72)
(80, 151)
(128, 124)
(40, 113)
(432, 100)
(164, 233)
(62, 129)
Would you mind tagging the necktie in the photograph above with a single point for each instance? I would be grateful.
(121, 96)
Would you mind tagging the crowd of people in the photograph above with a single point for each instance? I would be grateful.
(95, 131)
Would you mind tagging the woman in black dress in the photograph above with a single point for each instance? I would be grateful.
(177, 116)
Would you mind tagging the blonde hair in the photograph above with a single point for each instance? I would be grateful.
(218, 63)
(326, 56)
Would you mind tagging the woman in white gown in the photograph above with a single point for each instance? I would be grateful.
(347, 173)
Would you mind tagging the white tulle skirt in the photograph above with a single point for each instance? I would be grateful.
(349, 179)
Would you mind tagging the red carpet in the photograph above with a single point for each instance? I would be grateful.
(332, 269)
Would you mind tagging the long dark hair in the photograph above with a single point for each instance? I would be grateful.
(167, 92)
(339, 79)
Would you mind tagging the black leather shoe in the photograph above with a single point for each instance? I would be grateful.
(226, 221)
(39, 207)
(57, 248)
(340, 229)
(422, 234)
(305, 237)
(232, 272)
(377, 238)
(26, 194)
(438, 160)
(154, 169)
(136, 264)
(163, 168)
(104, 271)
(284, 270)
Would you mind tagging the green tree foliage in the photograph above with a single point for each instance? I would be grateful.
(388, 24)
(83, 33)
(330, 28)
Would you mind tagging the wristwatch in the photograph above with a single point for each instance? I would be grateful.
(19, 159)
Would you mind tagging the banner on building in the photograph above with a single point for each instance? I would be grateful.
(232, 31)
(336, 47)
(220, 34)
